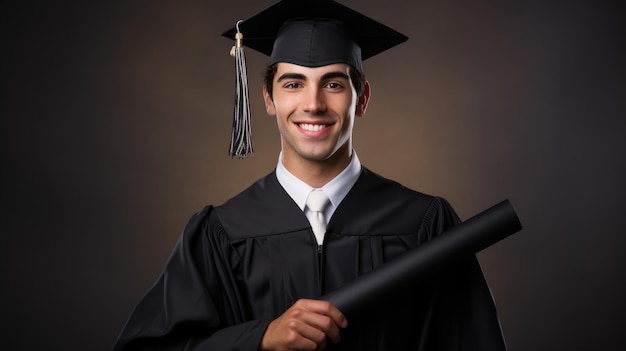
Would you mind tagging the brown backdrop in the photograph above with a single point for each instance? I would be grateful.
(116, 121)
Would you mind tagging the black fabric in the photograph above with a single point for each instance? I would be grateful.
(240, 265)
(262, 30)
(425, 261)
(316, 42)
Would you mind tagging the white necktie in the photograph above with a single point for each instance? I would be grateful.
(317, 202)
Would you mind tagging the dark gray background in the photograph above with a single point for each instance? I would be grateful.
(116, 119)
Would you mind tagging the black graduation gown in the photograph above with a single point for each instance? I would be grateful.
(238, 266)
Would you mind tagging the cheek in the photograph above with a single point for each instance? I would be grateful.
(349, 110)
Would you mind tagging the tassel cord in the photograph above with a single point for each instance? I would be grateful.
(241, 141)
(242, 108)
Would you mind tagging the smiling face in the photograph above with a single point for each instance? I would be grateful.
(315, 110)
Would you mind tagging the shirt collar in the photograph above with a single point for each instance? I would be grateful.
(336, 189)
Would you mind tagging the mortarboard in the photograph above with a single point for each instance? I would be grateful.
(309, 33)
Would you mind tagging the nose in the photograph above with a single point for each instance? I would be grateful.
(313, 101)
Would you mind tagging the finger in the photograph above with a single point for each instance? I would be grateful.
(321, 325)
(289, 333)
(325, 308)
(310, 334)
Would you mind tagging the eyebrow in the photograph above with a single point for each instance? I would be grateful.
(286, 76)
(299, 76)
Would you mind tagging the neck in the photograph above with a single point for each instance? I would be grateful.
(317, 173)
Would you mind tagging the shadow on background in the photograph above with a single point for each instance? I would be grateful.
(116, 123)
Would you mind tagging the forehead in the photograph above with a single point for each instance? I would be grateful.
(310, 72)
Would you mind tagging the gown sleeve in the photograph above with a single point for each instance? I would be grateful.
(190, 307)
(464, 314)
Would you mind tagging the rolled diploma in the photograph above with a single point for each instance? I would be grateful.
(457, 243)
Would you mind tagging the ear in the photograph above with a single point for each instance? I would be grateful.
(269, 103)
(364, 99)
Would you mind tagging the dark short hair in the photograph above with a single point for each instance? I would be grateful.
(357, 77)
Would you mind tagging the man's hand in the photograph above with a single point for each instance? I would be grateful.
(304, 326)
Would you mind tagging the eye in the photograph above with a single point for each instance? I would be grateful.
(334, 85)
(293, 85)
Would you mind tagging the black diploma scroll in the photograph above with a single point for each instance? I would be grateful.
(461, 241)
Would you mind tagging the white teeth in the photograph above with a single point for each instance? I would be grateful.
(312, 127)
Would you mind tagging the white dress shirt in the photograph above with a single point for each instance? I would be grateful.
(336, 189)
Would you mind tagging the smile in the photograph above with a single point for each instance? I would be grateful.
(312, 127)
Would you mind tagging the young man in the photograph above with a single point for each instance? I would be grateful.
(248, 275)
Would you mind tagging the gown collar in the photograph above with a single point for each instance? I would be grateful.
(336, 189)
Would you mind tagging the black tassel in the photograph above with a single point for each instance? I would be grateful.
(241, 139)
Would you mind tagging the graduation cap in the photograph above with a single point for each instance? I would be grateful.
(309, 33)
